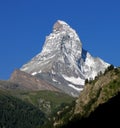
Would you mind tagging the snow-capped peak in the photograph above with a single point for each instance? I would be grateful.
(63, 61)
(60, 25)
(63, 39)
(62, 22)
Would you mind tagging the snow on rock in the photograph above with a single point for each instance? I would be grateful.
(62, 53)
(40, 71)
(72, 86)
(77, 81)
(25, 68)
(54, 80)
(34, 73)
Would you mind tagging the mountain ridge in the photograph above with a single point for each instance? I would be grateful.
(29, 82)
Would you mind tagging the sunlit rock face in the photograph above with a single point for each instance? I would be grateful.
(63, 62)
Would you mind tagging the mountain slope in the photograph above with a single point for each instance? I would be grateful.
(27, 82)
(15, 113)
(95, 93)
(47, 101)
(63, 62)
(19, 102)
(98, 91)
(107, 114)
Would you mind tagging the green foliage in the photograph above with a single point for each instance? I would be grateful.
(94, 97)
(109, 68)
(86, 81)
(73, 121)
(106, 113)
(111, 89)
(47, 101)
(102, 89)
(21, 109)
(15, 113)
(116, 70)
(63, 113)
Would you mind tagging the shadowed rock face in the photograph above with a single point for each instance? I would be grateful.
(65, 60)
(30, 82)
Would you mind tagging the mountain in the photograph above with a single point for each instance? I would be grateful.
(97, 105)
(27, 82)
(63, 62)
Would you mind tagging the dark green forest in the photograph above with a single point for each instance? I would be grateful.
(15, 113)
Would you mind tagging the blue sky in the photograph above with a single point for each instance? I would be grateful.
(24, 24)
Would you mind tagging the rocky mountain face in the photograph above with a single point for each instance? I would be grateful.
(25, 81)
(63, 62)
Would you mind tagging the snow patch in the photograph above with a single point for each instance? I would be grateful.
(25, 68)
(62, 22)
(40, 71)
(54, 80)
(34, 73)
(53, 72)
(77, 81)
(72, 86)
(51, 56)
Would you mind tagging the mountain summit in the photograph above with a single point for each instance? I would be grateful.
(63, 62)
